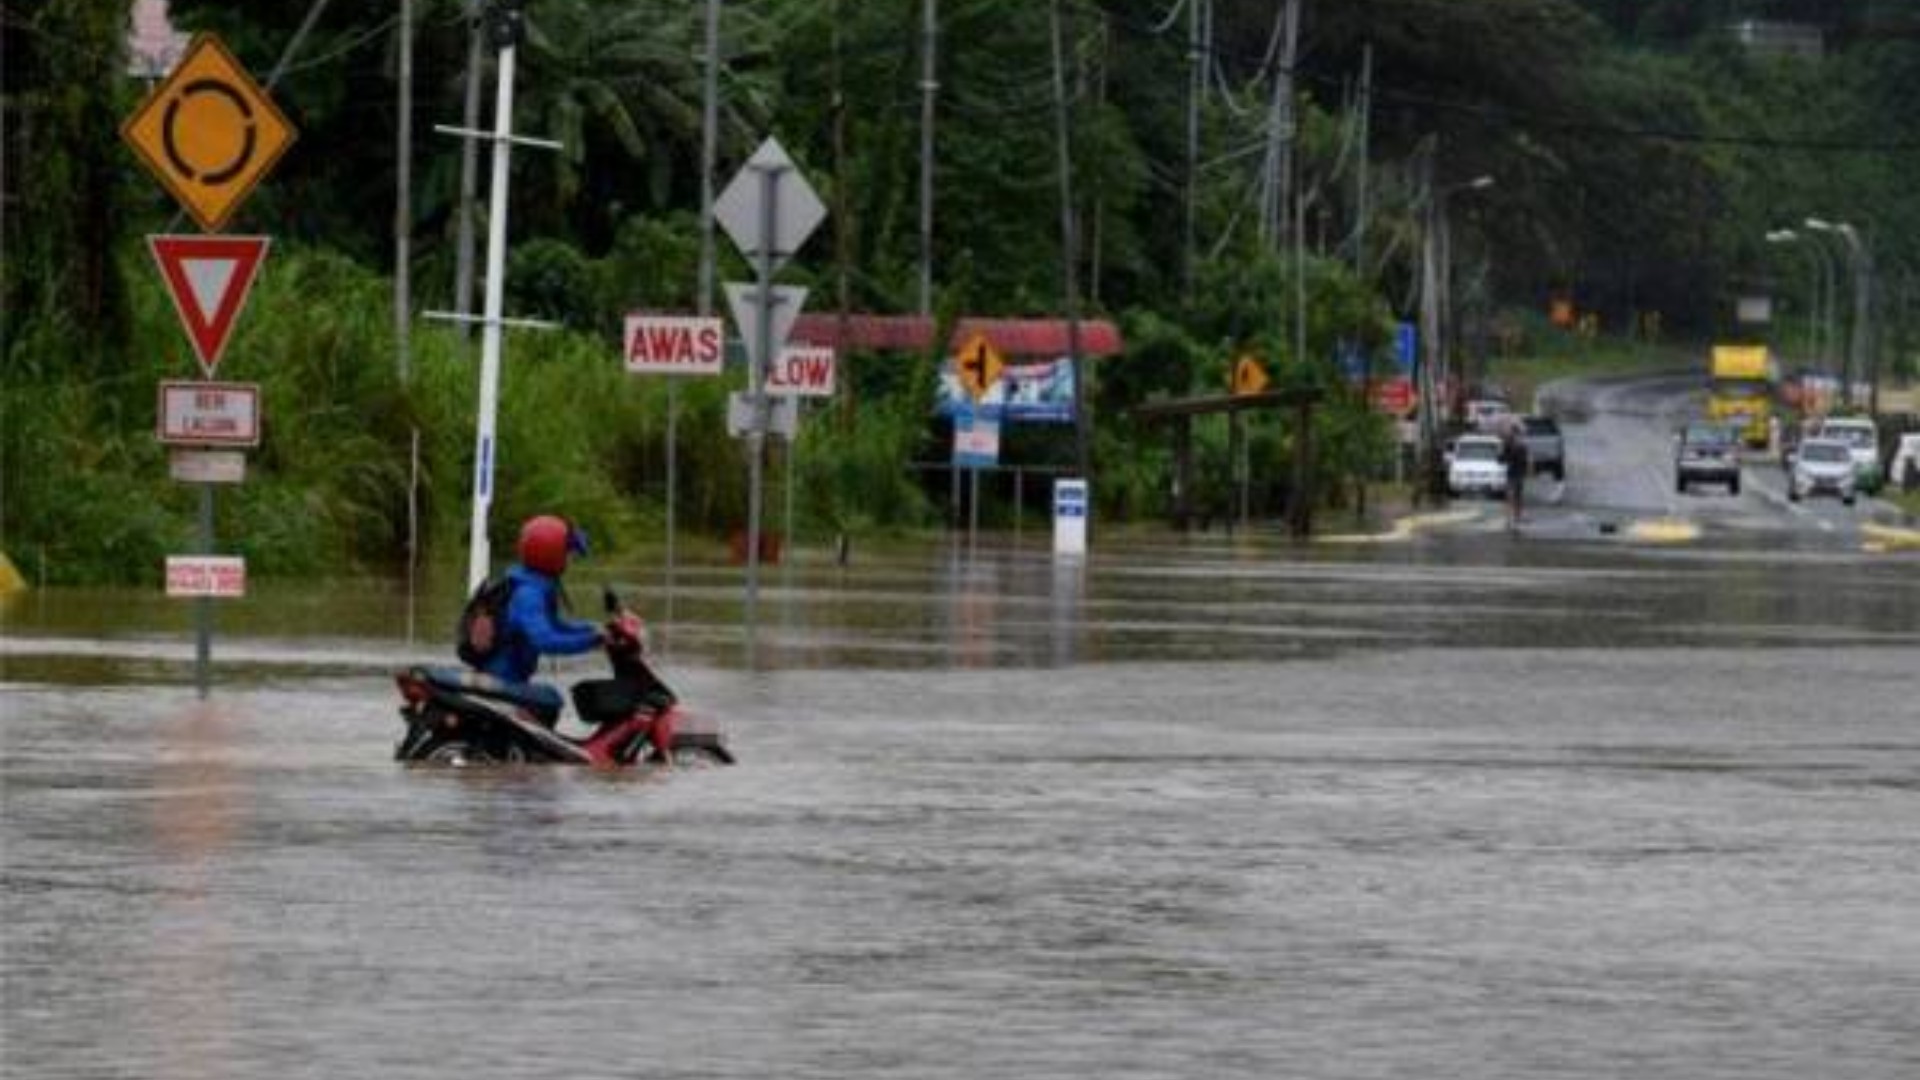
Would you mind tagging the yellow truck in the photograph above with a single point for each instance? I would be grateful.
(1740, 390)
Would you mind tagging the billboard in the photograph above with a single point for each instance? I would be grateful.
(1025, 393)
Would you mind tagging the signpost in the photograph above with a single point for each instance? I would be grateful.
(209, 134)
(768, 210)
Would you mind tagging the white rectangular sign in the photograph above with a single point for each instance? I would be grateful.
(802, 371)
(206, 575)
(209, 414)
(675, 344)
(1070, 517)
(207, 466)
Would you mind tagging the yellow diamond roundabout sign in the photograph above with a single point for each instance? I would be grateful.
(209, 133)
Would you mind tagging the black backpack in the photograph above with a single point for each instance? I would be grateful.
(482, 630)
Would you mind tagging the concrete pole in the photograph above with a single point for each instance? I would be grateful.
(479, 554)
(1069, 253)
(929, 87)
(403, 197)
(469, 174)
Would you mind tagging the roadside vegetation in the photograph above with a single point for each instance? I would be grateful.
(1638, 159)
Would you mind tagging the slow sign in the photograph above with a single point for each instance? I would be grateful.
(802, 371)
(209, 414)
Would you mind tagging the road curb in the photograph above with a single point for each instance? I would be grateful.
(1403, 528)
(1890, 537)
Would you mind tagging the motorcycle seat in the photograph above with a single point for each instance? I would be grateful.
(542, 700)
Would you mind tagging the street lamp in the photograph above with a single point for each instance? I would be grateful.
(1818, 293)
(1858, 355)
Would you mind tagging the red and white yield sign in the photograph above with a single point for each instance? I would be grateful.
(209, 278)
(802, 371)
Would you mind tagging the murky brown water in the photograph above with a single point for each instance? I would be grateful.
(1461, 807)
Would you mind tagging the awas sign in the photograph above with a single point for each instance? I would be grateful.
(802, 371)
(206, 575)
(674, 345)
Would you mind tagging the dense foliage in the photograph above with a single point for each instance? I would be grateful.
(1640, 157)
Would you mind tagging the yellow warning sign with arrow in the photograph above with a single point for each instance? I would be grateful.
(978, 365)
(1248, 376)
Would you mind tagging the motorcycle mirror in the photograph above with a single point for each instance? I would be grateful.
(610, 599)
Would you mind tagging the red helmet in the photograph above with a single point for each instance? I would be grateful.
(546, 541)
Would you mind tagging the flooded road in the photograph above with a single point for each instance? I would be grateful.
(1468, 805)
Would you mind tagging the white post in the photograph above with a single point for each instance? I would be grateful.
(479, 555)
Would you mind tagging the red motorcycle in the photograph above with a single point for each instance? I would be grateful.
(457, 716)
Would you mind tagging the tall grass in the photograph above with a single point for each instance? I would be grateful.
(84, 483)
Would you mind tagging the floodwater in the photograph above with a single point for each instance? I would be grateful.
(1469, 805)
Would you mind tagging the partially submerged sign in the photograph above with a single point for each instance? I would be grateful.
(206, 575)
(209, 414)
(675, 345)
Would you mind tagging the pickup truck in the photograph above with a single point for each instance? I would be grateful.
(1546, 451)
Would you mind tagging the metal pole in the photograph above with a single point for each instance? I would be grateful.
(478, 553)
(757, 388)
(1069, 254)
(203, 606)
(929, 36)
(1196, 86)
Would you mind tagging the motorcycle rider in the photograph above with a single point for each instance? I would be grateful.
(533, 626)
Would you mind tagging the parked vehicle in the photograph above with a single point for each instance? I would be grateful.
(1823, 466)
(1863, 442)
(1706, 453)
(1545, 448)
(1474, 467)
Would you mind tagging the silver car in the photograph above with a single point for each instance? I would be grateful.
(1823, 466)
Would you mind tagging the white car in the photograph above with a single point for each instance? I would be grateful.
(1474, 467)
(1863, 440)
(1822, 465)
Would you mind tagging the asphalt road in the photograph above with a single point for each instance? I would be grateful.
(1620, 476)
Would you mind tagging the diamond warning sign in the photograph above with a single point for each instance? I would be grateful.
(209, 133)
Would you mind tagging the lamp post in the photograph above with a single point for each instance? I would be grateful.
(1433, 301)
(1859, 351)
(1816, 291)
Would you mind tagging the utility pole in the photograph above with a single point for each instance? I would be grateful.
(469, 170)
(1277, 206)
(1069, 250)
(929, 87)
(1360, 206)
(1197, 68)
(403, 197)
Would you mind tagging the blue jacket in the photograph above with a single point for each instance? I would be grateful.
(534, 628)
